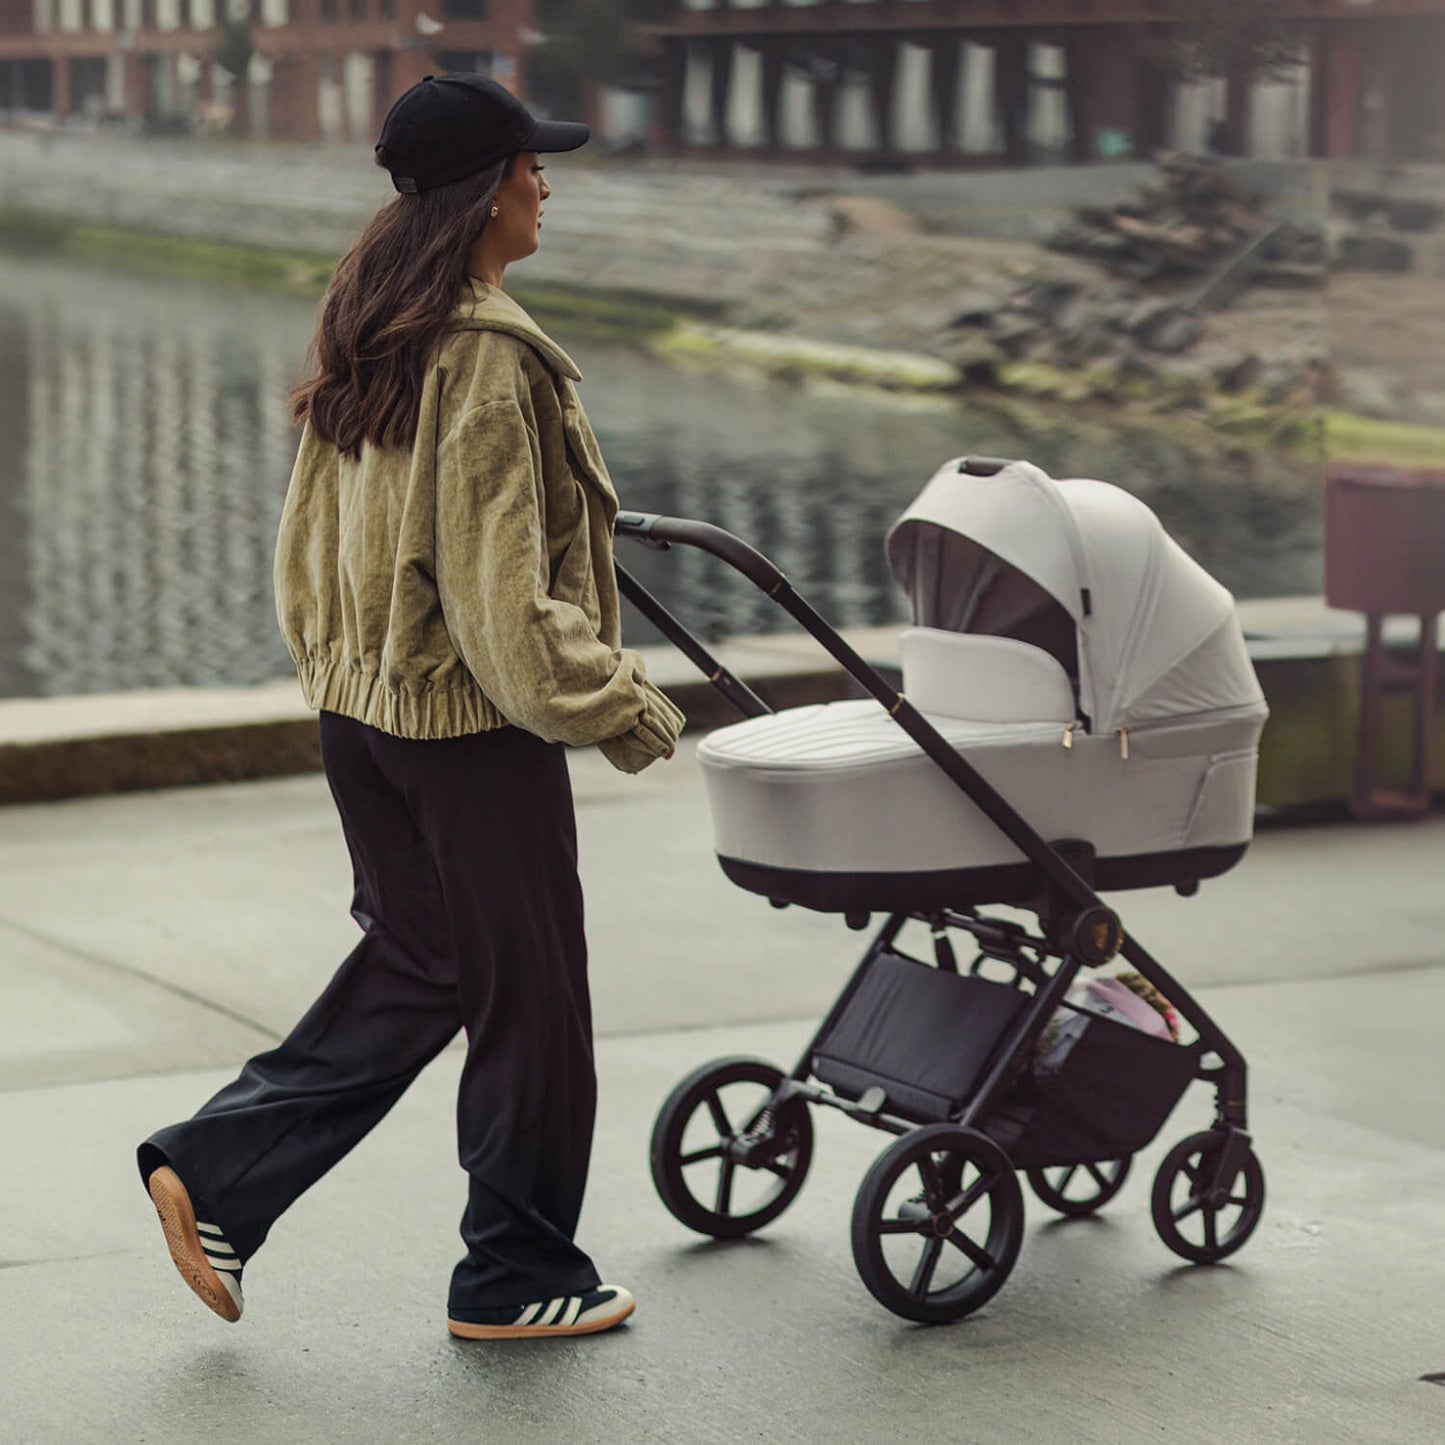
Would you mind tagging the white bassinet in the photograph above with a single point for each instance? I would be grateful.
(1088, 668)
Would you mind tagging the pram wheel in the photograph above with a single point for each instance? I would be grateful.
(937, 1223)
(723, 1160)
(1077, 1190)
(1202, 1218)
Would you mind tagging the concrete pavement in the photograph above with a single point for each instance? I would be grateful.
(149, 942)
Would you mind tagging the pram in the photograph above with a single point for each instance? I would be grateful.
(1076, 678)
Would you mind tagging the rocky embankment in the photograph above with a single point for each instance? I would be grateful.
(1168, 307)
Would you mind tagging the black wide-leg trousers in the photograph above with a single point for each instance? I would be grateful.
(465, 859)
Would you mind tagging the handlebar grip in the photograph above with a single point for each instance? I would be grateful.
(655, 531)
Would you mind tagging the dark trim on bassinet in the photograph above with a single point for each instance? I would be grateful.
(964, 887)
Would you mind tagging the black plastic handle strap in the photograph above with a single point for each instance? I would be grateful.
(659, 531)
(738, 693)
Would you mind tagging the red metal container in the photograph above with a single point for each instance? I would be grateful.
(1385, 539)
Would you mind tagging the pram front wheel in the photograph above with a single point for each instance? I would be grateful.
(725, 1160)
(1202, 1217)
(1077, 1190)
(937, 1223)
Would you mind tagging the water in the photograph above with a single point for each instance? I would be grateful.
(145, 447)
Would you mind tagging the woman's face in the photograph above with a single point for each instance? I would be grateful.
(512, 233)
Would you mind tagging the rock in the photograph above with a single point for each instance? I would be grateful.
(977, 357)
(978, 309)
(1084, 342)
(1050, 300)
(1014, 334)
(1368, 251)
(1167, 329)
(1133, 367)
(1240, 373)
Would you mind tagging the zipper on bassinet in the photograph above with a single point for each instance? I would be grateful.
(1124, 744)
(1069, 735)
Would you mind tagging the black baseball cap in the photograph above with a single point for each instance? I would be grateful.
(448, 127)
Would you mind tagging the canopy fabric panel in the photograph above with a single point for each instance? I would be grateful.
(1157, 635)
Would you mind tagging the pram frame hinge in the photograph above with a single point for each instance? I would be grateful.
(1067, 897)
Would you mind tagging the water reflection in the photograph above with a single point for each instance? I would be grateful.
(147, 450)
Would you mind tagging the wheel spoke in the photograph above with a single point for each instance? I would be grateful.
(957, 1208)
(1062, 1186)
(1241, 1200)
(713, 1151)
(725, 1187)
(1193, 1207)
(1211, 1234)
(932, 1181)
(776, 1166)
(719, 1116)
(1098, 1174)
(927, 1263)
(899, 1226)
(981, 1257)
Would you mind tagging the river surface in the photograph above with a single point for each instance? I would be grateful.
(145, 448)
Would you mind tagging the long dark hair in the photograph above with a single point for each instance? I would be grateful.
(385, 311)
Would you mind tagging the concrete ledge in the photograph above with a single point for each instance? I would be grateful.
(1306, 654)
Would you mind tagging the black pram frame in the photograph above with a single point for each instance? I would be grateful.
(971, 1109)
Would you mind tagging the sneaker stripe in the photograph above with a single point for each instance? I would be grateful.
(535, 1313)
(574, 1308)
(208, 1229)
(562, 1307)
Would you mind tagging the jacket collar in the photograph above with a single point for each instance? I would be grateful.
(485, 308)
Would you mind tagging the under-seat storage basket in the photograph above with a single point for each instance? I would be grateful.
(1104, 1094)
(925, 1036)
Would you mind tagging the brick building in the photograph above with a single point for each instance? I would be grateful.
(933, 82)
(318, 69)
(962, 82)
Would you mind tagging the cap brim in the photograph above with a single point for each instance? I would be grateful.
(548, 137)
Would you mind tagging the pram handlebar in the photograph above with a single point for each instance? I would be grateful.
(653, 530)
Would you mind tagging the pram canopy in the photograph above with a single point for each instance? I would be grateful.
(1155, 634)
(1089, 670)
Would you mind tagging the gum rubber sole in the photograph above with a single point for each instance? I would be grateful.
(464, 1331)
(178, 1223)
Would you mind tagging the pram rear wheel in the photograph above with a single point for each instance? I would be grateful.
(1200, 1216)
(1077, 1190)
(937, 1223)
(724, 1160)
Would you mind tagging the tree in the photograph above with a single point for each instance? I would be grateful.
(232, 49)
(586, 41)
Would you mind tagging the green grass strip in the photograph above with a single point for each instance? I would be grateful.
(1351, 438)
(305, 274)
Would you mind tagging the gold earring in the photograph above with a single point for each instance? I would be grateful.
(494, 210)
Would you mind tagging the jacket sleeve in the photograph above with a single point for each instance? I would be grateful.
(537, 658)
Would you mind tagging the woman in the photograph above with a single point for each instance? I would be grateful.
(444, 583)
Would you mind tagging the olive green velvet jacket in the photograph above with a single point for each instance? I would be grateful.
(467, 583)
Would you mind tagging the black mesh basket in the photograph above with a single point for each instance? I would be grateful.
(1103, 1096)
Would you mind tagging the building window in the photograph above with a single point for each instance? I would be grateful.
(464, 9)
